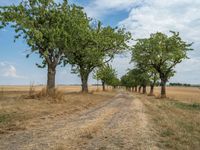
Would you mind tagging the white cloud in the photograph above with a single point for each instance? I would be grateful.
(177, 15)
(99, 8)
(8, 70)
(194, 65)
(188, 71)
(165, 15)
(122, 63)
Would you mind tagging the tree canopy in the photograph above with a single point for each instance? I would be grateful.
(48, 28)
(93, 46)
(161, 53)
(107, 75)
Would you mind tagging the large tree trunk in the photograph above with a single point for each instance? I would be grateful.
(163, 88)
(51, 74)
(139, 89)
(144, 91)
(151, 90)
(135, 88)
(103, 86)
(84, 80)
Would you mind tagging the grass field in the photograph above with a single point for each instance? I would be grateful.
(187, 94)
(38, 88)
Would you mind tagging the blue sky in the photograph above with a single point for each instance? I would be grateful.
(140, 17)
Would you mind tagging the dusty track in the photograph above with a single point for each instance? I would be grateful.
(120, 123)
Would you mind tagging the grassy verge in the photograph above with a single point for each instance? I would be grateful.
(176, 123)
(19, 113)
(186, 106)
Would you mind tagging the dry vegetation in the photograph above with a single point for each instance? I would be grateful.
(173, 123)
(176, 122)
(186, 94)
(24, 89)
(21, 106)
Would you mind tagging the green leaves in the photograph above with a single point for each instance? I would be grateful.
(93, 45)
(161, 53)
(44, 24)
(107, 75)
(60, 32)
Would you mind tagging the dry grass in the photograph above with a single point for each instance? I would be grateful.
(54, 95)
(1, 93)
(32, 90)
(13, 88)
(186, 94)
(176, 123)
(18, 113)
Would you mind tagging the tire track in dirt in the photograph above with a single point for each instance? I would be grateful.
(120, 123)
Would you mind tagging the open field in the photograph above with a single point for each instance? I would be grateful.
(191, 94)
(22, 88)
(112, 120)
(188, 94)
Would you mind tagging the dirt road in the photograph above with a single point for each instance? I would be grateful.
(119, 123)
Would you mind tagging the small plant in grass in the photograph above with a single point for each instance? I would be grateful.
(167, 132)
(31, 90)
(4, 118)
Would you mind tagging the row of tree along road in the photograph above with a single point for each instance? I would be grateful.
(155, 59)
(63, 34)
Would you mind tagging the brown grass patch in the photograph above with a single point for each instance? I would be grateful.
(19, 113)
(54, 95)
(177, 123)
(187, 94)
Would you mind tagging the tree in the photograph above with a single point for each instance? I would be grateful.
(154, 77)
(46, 27)
(94, 46)
(125, 81)
(150, 76)
(162, 53)
(132, 79)
(107, 75)
(141, 77)
(115, 82)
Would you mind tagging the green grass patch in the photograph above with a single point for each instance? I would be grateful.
(4, 118)
(167, 132)
(194, 106)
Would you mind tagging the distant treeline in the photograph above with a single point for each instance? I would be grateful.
(183, 84)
